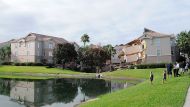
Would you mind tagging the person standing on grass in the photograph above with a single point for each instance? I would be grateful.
(169, 69)
(182, 67)
(177, 69)
(174, 70)
(164, 76)
(151, 77)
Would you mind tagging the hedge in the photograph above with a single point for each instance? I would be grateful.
(23, 64)
(145, 66)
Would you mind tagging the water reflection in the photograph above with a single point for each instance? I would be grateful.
(55, 92)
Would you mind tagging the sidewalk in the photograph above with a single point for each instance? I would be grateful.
(187, 101)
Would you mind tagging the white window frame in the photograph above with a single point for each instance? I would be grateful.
(50, 45)
(38, 53)
(38, 45)
(50, 53)
(28, 45)
(158, 52)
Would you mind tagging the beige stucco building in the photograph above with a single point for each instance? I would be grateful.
(151, 47)
(35, 48)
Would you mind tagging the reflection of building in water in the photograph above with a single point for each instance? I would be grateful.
(66, 92)
(34, 93)
(115, 85)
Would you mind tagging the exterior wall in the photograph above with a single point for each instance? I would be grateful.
(32, 51)
(158, 50)
(47, 50)
(158, 59)
(23, 52)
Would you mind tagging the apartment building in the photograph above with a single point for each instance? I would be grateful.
(151, 47)
(36, 48)
(115, 59)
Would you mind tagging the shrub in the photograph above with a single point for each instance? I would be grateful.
(23, 64)
(7, 63)
(17, 64)
(50, 65)
(38, 64)
(30, 64)
(145, 66)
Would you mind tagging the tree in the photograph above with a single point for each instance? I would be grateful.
(92, 57)
(183, 42)
(110, 53)
(64, 53)
(85, 38)
(5, 53)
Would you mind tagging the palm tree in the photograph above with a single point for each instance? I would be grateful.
(85, 38)
(110, 52)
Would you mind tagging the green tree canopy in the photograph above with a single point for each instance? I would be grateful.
(85, 38)
(64, 52)
(92, 57)
(5, 53)
(109, 50)
(183, 42)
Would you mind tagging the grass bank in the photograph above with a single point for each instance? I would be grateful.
(40, 72)
(170, 94)
(24, 77)
(34, 69)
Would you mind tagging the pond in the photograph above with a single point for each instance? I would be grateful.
(54, 92)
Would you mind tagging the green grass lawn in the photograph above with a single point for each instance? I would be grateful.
(24, 77)
(34, 69)
(170, 94)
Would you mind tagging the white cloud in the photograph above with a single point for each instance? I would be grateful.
(106, 21)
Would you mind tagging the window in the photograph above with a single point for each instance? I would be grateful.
(16, 53)
(28, 45)
(16, 45)
(158, 53)
(50, 46)
(38, 45)
(50, 53)
(142, 46)
(156, 42)
(28, 53)
(38, 53)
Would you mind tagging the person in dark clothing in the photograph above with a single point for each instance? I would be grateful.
(151, 77)
(164, 76)
(169, 69)
(182, 67)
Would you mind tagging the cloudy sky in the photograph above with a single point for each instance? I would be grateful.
(105, 21)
